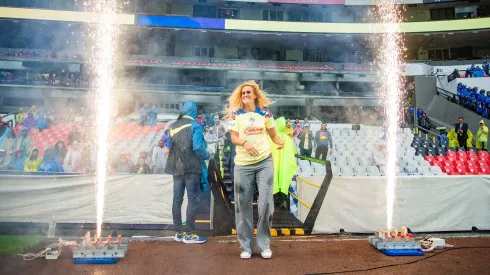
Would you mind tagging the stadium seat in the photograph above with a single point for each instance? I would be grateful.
(473, 170)
(483, 153)
(484, 170)
(449, 170)
(437, 163)
(410, 170)
(423, 171)
(471, 164)
(430, 159)
(461, 170)
(440, 158)
(436, 171)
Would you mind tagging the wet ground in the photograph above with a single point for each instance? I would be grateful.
(291, 255)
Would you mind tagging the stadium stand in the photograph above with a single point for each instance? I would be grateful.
(352, 155)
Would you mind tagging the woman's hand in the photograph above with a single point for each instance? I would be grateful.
(250, 149)
(280, 144)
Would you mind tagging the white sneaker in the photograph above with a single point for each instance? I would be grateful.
(245, 255)
(266, 254)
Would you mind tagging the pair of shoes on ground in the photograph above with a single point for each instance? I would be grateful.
(188, 237)
(266, 254)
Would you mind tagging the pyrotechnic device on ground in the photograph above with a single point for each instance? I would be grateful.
(98, 251)
(394, 243)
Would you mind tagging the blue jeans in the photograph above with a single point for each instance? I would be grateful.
(191, 182)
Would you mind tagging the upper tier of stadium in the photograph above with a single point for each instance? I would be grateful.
(176, 21)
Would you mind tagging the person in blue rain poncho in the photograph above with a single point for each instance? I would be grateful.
(186, 162)
(144, 113)
(50, 162)
(41, 121)
(18, 161)
(152, 114)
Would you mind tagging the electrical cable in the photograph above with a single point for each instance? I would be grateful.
(400, 264)
(32, 256)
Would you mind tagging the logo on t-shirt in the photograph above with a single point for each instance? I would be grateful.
(251, 120)
(323, 135)
(251, 131)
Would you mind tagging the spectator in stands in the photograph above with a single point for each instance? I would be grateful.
(469, 71)
(18, 160)
(145, 156)
(4, 159)
(420, 112)
(297, 131)
(33, 110)
(70, 117)
(7, 140)
(306, 122)
(123, 164)
(323, 140)
(41, 121)
(165, 138)
(486, 67)
(250, 128)
(410, 114)
(186, 164)
(158, 158)
(296, 123)
(442, 137)
(74, 135)
(289, 130)
(60, 149)
(481, 104)
(212, 140)
(33, 162)
(306, 142)
(152, 115)
(144, 112)
(23, 142)
(141, 167)
(482, 136)
(478, 72)
(29, 121)
(379, 155)
(73, 158)
(461, 129)
(51, 162)
(3, 126)
(424, 123)
(20, 116)
(219, 129)
(200, 120)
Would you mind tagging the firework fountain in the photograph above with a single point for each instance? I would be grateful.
(389, 59)
(104, 34)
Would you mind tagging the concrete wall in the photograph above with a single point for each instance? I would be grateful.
(182, 9)
(425, 90)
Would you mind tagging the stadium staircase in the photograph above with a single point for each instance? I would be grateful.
(284, 223)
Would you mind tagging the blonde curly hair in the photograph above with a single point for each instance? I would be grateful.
(235, 100)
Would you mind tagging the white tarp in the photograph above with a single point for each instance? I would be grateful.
(357, 204)
(129, 199)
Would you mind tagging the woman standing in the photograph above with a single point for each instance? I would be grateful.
(250, 126)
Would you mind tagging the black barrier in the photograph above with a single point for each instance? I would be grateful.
(222, 219)
(317, 204)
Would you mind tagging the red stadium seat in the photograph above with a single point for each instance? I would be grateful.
(440, 158)
(472, 157)
(473, 170)
(471, 164)
(449, 170)
(437, 163)
(451, 158)
(483, 153)
(448, 163)
(459, 163)
(430, 159)
(484, 170)
(450, 153)
(461, 170)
